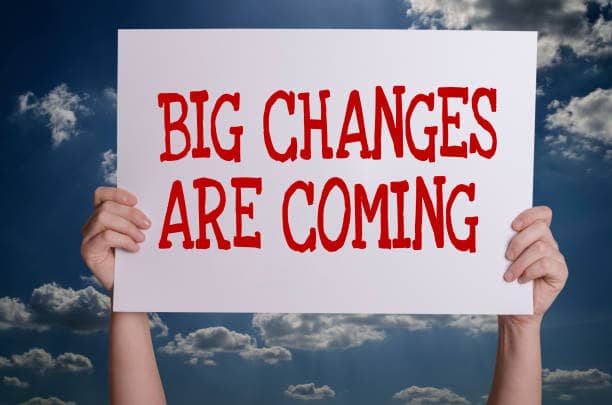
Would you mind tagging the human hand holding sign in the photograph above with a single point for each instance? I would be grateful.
(117, 224)
(114, 223)
(535, 257)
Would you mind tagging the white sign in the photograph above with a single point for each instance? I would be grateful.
(342, 171)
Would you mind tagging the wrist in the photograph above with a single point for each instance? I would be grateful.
(520, 323)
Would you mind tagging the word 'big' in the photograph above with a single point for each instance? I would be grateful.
(397, 116)
(357, 205)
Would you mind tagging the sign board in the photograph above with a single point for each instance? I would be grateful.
(325, 171)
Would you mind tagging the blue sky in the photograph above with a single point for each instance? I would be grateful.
(57, 116)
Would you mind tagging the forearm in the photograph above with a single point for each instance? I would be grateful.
(133, 374)
(518, 369)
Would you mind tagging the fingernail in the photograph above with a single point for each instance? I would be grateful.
(517, 223)
(508, 276)
(521, 280)
(510, 254)
(142, 236)
(145, 222)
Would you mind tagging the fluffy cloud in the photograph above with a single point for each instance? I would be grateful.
(560, 23)
(109, 167)
(201, 345)
(587, 116)
(4, 362)
(73, 362)
(566, 397)
(429, 395)
(335, 331)
(14, 382)
(308, 392)
(14, 312)
(329, 331)
(472, 324)
(270, 355)
(83, 311)
(60, 107)
(47, 401)
(584, 124)
(40, 360)
(156, 324)
(204, 343)
(575, 379)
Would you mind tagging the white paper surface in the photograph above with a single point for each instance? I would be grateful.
(274, 278)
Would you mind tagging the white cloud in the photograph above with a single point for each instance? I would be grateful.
(14, 382)
(82, 311)
(330, 331)
(608, 156)
(40, 360)
(473, 324)
(109, 167)
(73, 362)
(60, 107)
(156, 323)
(586, 126)
(35, 359)
(111, 95)
(589, 116)
(337, 331)
(91, 280)
(270, 355)
(566, 397)
(428, 395)
(5, 362)
(309, 392)
(560, 23)
(47, 401)
(14, 312)
(575, 379)
(204, 343)
(201, 345)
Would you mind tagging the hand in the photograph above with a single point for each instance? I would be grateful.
(114, 223)
(535, 257)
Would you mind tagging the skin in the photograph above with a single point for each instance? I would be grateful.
(134, 378)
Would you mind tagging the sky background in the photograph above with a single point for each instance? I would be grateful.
(57, 117)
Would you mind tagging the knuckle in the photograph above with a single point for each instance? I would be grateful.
(103, 216)
(540, 246)
(107, 236)
(106, 205)
(134, 215)
(547, 263)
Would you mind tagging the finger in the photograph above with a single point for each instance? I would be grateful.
(538, 230)
(547, 267)
(118, 195)
(108, 220)
(530, 255)
(132, 214)
(98, 247)
(531, 215)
